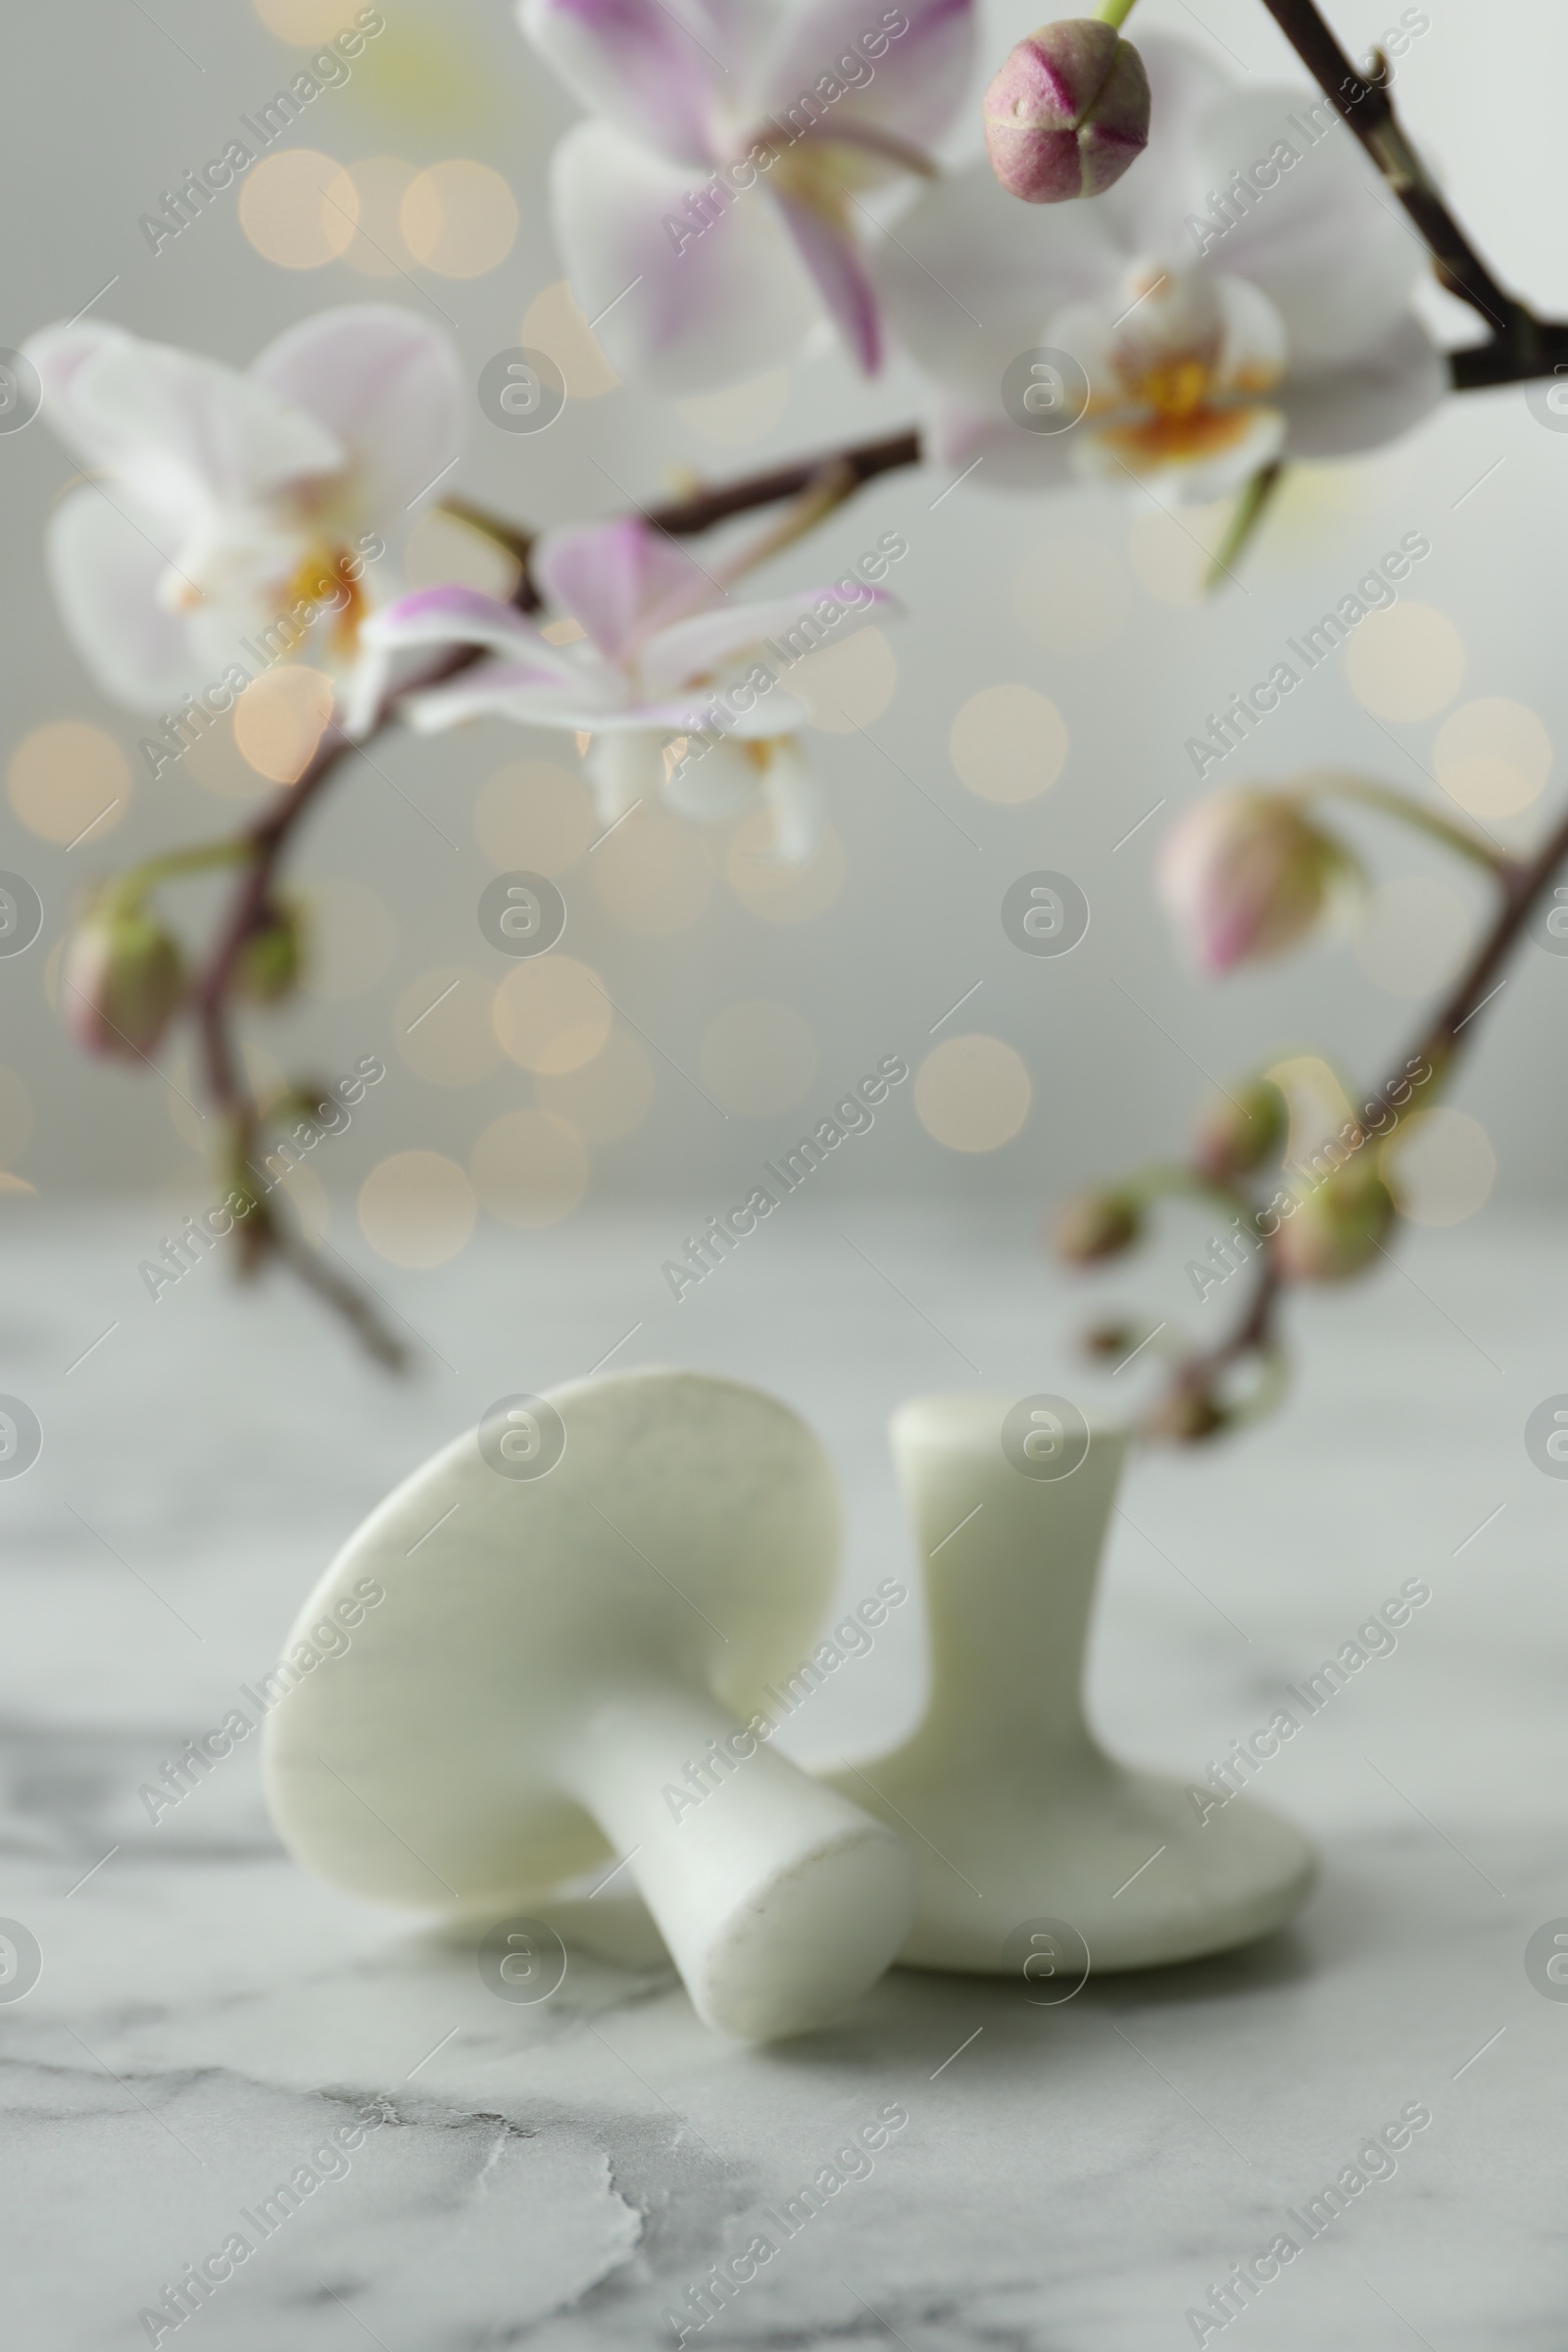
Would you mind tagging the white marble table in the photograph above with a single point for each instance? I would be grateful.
(1069, 2180)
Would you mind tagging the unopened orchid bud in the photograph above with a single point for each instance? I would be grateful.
(1246, 875)
(1112, 1339)
(1238, 1132)
(1067, 112)
(1096, 1224)
(120, 982)
(1186, 1416)
(1338, 1228)
(271, 960)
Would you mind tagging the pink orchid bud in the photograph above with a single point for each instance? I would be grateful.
(1237, 1133)
(1096, 1224)
(1067, 112)
(1246, 875)
(120, 984)
(1338, 1228)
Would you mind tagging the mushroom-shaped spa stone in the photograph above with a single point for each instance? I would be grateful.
(585, 1599)
(1024, 1822)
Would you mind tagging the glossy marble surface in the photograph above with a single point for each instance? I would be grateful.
(1070, 2177)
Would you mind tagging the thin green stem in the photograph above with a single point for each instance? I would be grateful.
(1115, 12)
(1391, 803)
(132, 885)
(1246, 516)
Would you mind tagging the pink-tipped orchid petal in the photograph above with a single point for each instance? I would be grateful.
(456, 615)
(387, 386)
(652, 68)
(914, 86)
(840, 275)
(711, 640)
(616, 578)
(684, 296)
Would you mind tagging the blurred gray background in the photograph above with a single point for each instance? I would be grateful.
(1085, 597)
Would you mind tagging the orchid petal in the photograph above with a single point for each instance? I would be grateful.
(387, 386)
(1144, 212)
(913, 89)
(1328, 244)
(185, 435)
(988, 451)
(794, 792)
(700, 646)
(649, 66)
(713, 780)
(60, 354)
(104, 567)
(839, 276)
(623, 769)
(970, 275)
(612, 577)
(1388, 390)
(455, 616)
(682, 307)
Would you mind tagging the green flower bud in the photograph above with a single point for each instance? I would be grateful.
(1094, 1224)
(1236, 1134)
(1338, 1227)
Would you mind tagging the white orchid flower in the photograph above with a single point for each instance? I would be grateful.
(678, 690)
(1242, 294)
(709, 215)
(227, 516)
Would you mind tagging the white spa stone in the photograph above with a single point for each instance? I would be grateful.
(556, 1646)
(1020, 1820)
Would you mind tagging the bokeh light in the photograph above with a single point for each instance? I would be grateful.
(281, 718)
(298, 207)
(1071, 596)
(1009, 743)
(1413, 935)
(303, 22)
(608, 1095)
(529, 1168)
(534, 817)
(1441, 1165)
(552, 1014)
(846, 685)
(444, 1028)
(218, 765)
(1492, 757)
(653, 875)
(972, 1093)
(459, 219)
(553, 324)
(417, 1208)
(742, 414)
(66, 779)
(350, 939)
(758, 1058)
(778, 893)
(375, 246)
(1405, 661)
